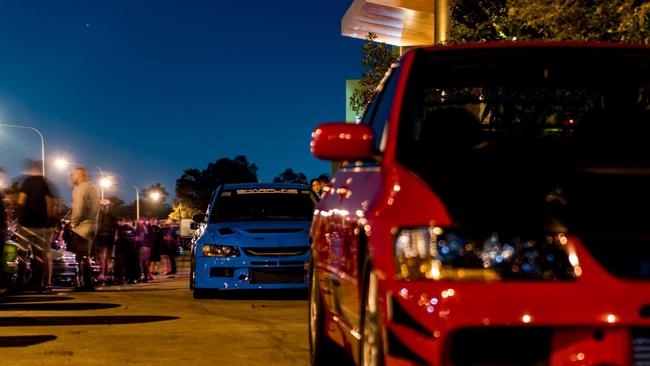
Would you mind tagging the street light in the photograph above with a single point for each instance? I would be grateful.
(155, 195)
(39, 135)
(105, 182)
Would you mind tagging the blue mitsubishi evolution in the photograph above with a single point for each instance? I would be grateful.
(256, 236)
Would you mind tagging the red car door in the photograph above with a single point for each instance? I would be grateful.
(340, 225)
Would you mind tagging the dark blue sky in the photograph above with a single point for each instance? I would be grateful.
(147, 89)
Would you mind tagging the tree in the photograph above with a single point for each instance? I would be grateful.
(566, 20)
(180, 212)
(377, 59)
(120, 209)
(194, 188)
(116, 202)
(289, 176)
(151, 207)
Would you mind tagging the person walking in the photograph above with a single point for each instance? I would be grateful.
(105, 239)
(143, 239)
(36, 212)
(83, 222)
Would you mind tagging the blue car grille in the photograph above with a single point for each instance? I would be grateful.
(277, 275)
(276, 251)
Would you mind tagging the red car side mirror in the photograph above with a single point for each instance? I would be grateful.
(342, 141)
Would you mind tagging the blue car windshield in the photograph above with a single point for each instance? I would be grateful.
(264, 204)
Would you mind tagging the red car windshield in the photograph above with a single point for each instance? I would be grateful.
(536, 140)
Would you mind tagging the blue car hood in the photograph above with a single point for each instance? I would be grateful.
(258, 233)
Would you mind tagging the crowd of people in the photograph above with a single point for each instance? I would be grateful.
(139, 249)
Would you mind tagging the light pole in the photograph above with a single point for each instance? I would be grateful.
(39, 135)
(137, 203)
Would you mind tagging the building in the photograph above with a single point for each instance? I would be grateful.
(402, 23)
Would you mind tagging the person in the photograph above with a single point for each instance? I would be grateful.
(325, 183)
(126, 256)
(106, 233)
(316, 187)
(35, 210)
(156, 247)
(144, 243)
(83, 222)
(171, 246)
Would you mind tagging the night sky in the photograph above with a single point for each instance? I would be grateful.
(146, 89)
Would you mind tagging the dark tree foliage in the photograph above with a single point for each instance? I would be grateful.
(195, 187)
(289, 176)
(377, 59)
(564, 20)
(154, 208)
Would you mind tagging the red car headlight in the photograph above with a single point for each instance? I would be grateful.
(434, 253)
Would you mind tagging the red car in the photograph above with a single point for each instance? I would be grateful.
(492, 208)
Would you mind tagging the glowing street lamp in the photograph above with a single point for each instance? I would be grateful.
(155, 195)
(106, 182)
(60, 163)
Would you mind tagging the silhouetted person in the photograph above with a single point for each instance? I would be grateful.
(126, 256)
(171, 245)
(156, 246)
(35, 210)
(105, 238)
(83, 222)
(144, 242)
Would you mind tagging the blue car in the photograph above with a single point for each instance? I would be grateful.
(256, 236)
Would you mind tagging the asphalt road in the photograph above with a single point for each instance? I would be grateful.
(153, 324)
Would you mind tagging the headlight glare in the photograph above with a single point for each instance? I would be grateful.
(214, 250)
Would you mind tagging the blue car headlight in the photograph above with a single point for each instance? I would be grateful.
(215, 250)
(437, 254)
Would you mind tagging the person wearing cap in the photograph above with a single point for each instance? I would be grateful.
(106, 233)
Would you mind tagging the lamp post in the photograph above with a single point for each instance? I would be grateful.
(137, 203)
(39, 135)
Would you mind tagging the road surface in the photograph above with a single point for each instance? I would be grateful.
(152, 324)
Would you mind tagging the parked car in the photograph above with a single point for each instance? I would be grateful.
(256, 237)
(491, 209)
(16, 265)
(64, 268)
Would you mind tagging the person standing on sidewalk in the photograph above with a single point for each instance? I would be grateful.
(105, 239)
(144, 242)
(83, 222)
(36, 212)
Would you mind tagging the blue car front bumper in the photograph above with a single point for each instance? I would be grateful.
(251, 272)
